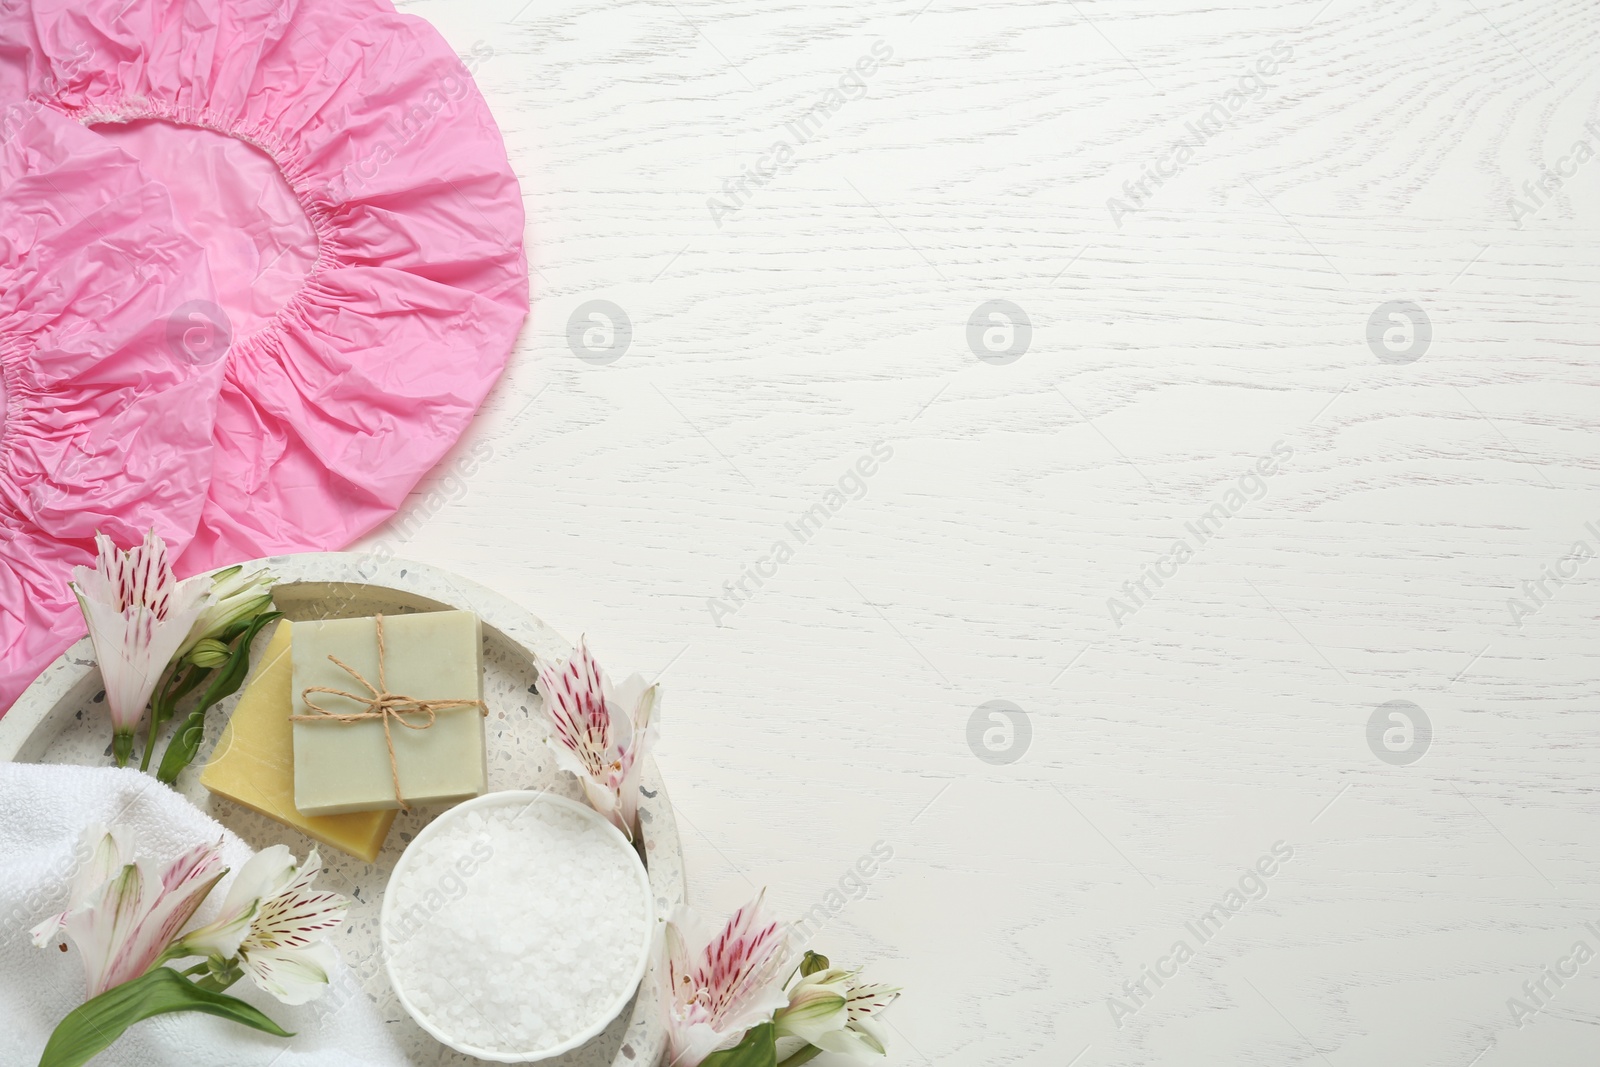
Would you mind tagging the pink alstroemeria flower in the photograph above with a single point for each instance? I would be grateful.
(139, 614)
(124, 927)
(715, 987)
(601, 732)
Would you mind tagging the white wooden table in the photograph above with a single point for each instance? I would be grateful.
(1162, 746)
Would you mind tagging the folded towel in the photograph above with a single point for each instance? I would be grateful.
(46, 809)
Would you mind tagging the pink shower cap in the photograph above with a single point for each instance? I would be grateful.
(362, 226)
(323, 186)
(104, 423)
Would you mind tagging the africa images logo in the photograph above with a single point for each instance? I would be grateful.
(1251, 888)
(851, 485)
(1222, 113)
(801, 130)
(1250, 486)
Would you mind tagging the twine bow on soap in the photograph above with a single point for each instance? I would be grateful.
(381, 704)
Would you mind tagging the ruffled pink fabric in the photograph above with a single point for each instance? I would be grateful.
(363, 230)
(336, 406)
(106, 425)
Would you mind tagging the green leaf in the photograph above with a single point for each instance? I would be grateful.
(758, 1049)
(92, 1026)
(226, 680)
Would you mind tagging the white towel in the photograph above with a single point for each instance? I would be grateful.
(43, 812)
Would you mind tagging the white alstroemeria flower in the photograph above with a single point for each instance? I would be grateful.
(263, 877)
(284, 951)
(833, 1011)
(124, 926)
(234, 597)
(716, 985)
(601, 732)
(105, 853)
(138, 616)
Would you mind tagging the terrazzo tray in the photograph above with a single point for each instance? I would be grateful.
(60, 718)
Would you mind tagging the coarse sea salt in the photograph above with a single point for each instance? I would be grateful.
(516, 923)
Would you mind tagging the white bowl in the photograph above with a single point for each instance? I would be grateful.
(388, 922)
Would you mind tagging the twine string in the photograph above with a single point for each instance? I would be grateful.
(381, 704)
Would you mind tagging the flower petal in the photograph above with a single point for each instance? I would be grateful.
(121, 647)
(871, 998)
(293, 975)
(266, 874)
(575, 703)
(137, 614)
(219, 939)
(698, 1040)
(167, 907)
(630, 756)
(104, 923)
(852, 1042)
(292, 918)
(742, 969)
(603, 800)
(814, 1010)
(107, 852)
(141, 574)
(46, 931)
(188, 601)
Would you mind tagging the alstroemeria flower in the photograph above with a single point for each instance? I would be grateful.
(833, 1011)
(264, 876)
(125, 925)
(105, 853)
(138, 616)
(716, 986)
(235, 597)
(601, 732)
(275, 922)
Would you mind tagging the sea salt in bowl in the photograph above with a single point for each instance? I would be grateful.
(516, 926)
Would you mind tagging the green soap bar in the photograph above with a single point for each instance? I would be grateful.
(344, 767)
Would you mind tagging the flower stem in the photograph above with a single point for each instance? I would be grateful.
(149, 739)
(163, 688)
(805, 1055)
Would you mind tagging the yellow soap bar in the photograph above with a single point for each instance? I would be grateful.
(254, 761)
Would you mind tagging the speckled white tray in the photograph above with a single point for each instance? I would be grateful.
(56, 720)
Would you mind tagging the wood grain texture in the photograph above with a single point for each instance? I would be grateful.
(1227, 313)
